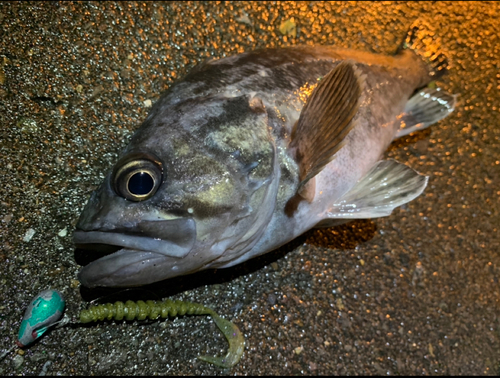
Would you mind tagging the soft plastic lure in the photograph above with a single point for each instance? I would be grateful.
(141, 310)
(47, 308)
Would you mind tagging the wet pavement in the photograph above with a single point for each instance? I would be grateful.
(413, 293)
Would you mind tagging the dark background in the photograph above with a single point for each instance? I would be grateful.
(412, 293)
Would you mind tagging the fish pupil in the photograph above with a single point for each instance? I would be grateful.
(140, 183)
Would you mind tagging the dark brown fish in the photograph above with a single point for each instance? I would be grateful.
(248, 152)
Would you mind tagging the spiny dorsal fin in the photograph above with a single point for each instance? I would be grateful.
(326, 119)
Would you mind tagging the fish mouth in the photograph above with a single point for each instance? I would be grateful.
(147, 252)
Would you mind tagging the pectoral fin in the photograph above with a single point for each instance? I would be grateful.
(326, 120)
(387, 185)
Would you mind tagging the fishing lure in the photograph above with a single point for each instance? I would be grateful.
(141, 310)
(47, 308)
(43, 312)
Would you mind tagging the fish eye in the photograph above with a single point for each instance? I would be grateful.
(137, 179)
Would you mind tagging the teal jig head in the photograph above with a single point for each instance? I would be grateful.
(44, 311)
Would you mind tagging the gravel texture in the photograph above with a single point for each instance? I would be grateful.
(413, 293)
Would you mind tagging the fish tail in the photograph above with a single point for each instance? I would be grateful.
(423, 41)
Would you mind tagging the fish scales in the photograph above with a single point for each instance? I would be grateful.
(249, 151)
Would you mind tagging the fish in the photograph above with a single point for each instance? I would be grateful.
(247, 152)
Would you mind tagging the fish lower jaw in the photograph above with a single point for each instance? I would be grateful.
(113, 259)
(128, 268)
(118, 260)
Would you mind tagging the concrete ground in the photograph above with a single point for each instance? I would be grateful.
(413, 293)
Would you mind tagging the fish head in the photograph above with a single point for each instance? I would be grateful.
(186, 192)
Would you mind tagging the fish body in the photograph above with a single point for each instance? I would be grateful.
(248, 152)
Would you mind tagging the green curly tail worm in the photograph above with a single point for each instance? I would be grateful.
(236, 343)
(141, 310)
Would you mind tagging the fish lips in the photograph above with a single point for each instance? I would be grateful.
(152, 251)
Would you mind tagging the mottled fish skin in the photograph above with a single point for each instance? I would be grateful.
(222, 134)
(390, 81)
